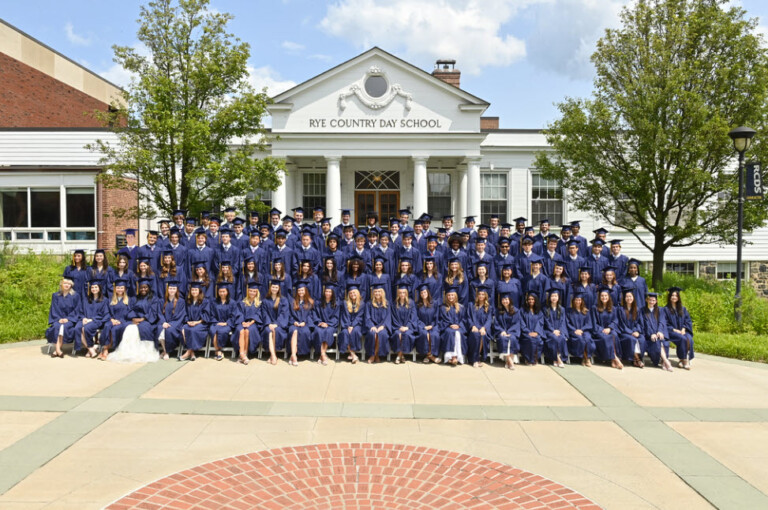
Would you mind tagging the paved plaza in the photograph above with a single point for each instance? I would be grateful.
(78, 433)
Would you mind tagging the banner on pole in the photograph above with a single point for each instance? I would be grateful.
(754, 182)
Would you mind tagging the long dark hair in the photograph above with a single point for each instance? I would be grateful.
(678, 309)
(632, 310)
(535, 303)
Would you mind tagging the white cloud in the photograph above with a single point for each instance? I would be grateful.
(119, 75)
(320, 56)
(261, 77)
(76, 39)
(292, 46)
(469, 31)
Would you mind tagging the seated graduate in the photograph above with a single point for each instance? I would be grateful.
(195, 328)
(301, 323)
(679, 327)
(378, 275)
(605, 324)
(138, 341)
(306, 273)
(631, 336)
(327, 312)
(589, 290)
(378, 324)
(351, 323)
(279, 273)
(222, 314)
(507, 329)
(454, 276)
(508, 284)
(451, 322)
(93, 312)
(248, 323)
(77, 272)
(275, 313)
(203, 277)
(172, 312)
(555, 329)
(531, 329)
(580, 343)
(479, 321)
(63, 316)
(431, 276)
(404, 322)
(655, 332)
(427, 311)
(117, 312)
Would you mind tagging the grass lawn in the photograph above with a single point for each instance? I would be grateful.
(749, 347)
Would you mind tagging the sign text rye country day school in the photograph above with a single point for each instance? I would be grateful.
(374, 123)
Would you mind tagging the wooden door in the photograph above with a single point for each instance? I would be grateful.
(389, 204)
(365, 201)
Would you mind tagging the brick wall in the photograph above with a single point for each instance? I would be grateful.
(30, 98)
(109, 226)
(489, 123)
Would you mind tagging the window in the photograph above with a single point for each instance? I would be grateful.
(439, 200)
(313, 191)
(80, 207)
(727, 270)
(493, 196)
(377, 180)
(46, 209)
(13, 207)
(685, 268)
(546, 200)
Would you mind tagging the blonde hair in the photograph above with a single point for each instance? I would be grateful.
(71, 286)
(456, 306)
(256, 301)
(125, 299)
(485, 305)
(356, 307)
(407, 298)
(377, 303)
(451, 278)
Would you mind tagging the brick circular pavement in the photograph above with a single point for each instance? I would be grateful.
(360, 476)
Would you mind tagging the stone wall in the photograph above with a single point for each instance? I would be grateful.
(708, 269)
(758, 277)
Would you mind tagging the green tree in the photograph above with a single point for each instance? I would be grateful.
(189, 125)
(649, 151)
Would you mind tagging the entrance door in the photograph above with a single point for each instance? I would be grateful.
(385, 203)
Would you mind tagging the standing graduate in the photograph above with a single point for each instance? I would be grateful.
(332, 273)
(93, 313)
(482, 279)
(377, 324)
(117, 312)
(431, 277)
(510, 285)
(531, 330)
(536, 282)
(122, 271)
(655, 332)
(479, 322)
(222, 314)
(351, 323)
(301, 323)
(248, 323)
(428, 336)
(631, 336)
(251, 273)
(100, 270)
(610, 281)
(405, 274)
(507, 329)
(195, 328)
(404, 323)
(355, 275)
(634, 280)
(455, 277)
(279, 272)
(605, 323)
(144, 271)
(170, 271)
(63, 316)
(555, 329)
(580, 343)
(379, 275)
(327, 312)
(202, 277)
(452, 325)
(77, 272)
(587, 288)
(679, 326)
(172, 311)
(275, 310)
(306, 273)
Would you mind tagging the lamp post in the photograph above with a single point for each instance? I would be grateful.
(742, 139)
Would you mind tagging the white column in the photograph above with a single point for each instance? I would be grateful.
(333, 186)
(62, 216)
(280, 195)
(420, 186)
(473, 188)
(461, 206)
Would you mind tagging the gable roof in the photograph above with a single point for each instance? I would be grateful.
(402, 64)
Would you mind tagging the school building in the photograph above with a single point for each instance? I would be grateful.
(374, 133)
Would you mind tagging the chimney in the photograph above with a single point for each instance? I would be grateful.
(446, 70)
(489, 123)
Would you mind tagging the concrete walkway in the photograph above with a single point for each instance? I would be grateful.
(79, 433)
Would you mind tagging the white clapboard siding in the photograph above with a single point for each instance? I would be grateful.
(50, 148)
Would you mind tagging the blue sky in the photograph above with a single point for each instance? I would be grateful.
(520, 55)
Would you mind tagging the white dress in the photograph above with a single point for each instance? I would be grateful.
(133, 349)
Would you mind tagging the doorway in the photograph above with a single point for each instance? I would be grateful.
(385, 203)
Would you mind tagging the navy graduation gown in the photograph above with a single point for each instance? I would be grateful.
(247, 313)
(328, 313)
(194, 336)
(435, 284)
(63, 307)
(428, 342)
(145, 308)
(403, 316)
(477, 343)
(627, 341)
(449, 316)
(375, 317)
(506, 330)
(491, 290)
(590, 294)
(680, 321)
(530, 346)
(79, 277)
(351, 339)
(111, 334)
(95, 310)
(606, 344)
(577, 344)
(463, 291)
(555, 320)
(175, 316)
(280, 316)
(224, 313)
(538, 285)
(515, 289)
(303, 333)
(652, 326)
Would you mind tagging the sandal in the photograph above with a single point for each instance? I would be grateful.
(165, 356)
(219, 356)
(355, 359)
(243, 361)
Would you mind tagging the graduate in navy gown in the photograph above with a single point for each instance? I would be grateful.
(63, 316)
(634, 280)
(428, 336)
(655, 332)
(536, 282)
(248, 323)
(555, 329)
(202, 277)
(143, 312)
(558, 280)
(327, 314)
(605, 324)
(170, 271)
(251, 273)
(479, 322)
(117, 312)
(226, 275)
(455, 277)
(378, 275)
(93, 312)
(301, 323)
(405, 274)
(100, 270)
(531, 329)
(580, 343)
(452, 326)
(172, 311)
(144, 271)
(609, 280)
(377, 324)
(588, 289)
(195, 329)
(351, 323)
(306, 273)
(679, 327)
(404, 322)
(430, 275)
(507, 329)
(275, 313)
(122, 271)
(77, 271)
(279, 272)
(355, 275)
(222, 314)
(631, 336)
(510, 285)
(482, 278)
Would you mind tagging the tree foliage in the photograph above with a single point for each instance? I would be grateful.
(190, 124)
(649, 152)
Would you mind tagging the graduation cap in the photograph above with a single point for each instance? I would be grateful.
(302, 284)
(353, 286)
(179, 212)
(238, 221)
(469, 219)
(452, 288)
(418, 222)
(481, 240)
(504, 294)
(406, 258)
(652, 294)
(298, 210)
(330, 285)
(528, 229)
(554, 290)
(205, 214)
(333, 236)
(559, 263)
(408, 234)
(190, 221)
(508, 226)
(426, 217)
(453, 259)
(481, 263)
(215, 219)
(576, 223)
(553, 237)
(274, 211)
(603, 288)
(96, 281)
(100, 250)
(254, 214)
(198, 265)
(288, 218)
(281, 232)
(329, 257)
(347, 228)
(503, 240)
(482, 288)
(144, 281)
(378, 285)
(225, 263)
(447, 217)
(402, 284)
(674, 289)
(545, 220)
(466, 231)
(172, 283)
(573, 242)
(359, 233)
(275, 281)
(598, 242)
(346, 212)
(326, 219)
(634, 261)
(153, 233)
(120, 282)
(565, 228)
(223, 285)
(527, 240)
(379, 258)
(200, 231)
(372, 214)
(483, 226)
(167, 251)
(372, 232)
(506, 264)
(616, 241)
(535, 259)
(229, 209)
(520, 220)
(277, 260)
(130, 231)
(441, 230)
(318, 209)
(628, 289)
(600, 231)
(579, 292)
(431, 236)
(609, 268)
(423, 287)
(160, 222)
(585, 269)
(307, 232)
(385, 233)
(226, 231)
(355, 258)
(253, 284)
(248, 258)
(144, 258)
(494, 216)
(404, 211)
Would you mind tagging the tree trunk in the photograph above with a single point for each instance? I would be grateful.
(658, 263)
